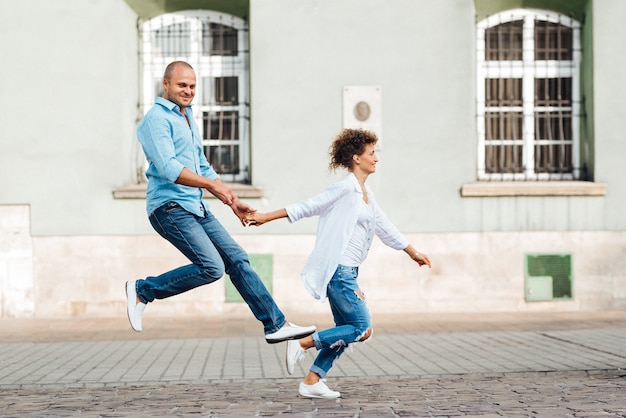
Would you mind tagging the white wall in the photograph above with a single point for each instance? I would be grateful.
(419, 52)
(422, 54)
(68, 112)
(609, 54)
(17, 295)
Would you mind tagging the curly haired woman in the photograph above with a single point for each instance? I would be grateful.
(349, 218)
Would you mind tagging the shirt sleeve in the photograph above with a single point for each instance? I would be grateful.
(155, 138)
(316, 205)
(387, 231)
(206, 169)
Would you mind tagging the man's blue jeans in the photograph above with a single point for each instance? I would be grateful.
(352, 319)
(212, 251)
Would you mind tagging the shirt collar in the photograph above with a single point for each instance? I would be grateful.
(170, 105)
(355, 183)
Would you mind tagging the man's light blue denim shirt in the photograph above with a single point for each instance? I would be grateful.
(170, 144)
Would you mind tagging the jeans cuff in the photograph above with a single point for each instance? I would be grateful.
(321, 373)
(316, 340)
(139, 296)
(274, 328)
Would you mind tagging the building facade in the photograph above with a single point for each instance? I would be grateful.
(500, 146)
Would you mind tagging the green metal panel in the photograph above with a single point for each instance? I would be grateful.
(544, 271)
(539, 288)
(263, 264)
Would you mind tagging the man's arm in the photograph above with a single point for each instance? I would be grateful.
(215, 187)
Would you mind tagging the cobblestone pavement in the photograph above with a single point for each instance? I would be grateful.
(496, 365)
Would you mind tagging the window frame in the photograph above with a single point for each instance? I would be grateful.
(207, 67)
(528, 69)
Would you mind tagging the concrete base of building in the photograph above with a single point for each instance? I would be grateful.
(84, 276)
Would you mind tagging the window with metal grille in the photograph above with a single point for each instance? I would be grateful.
(216, 45)
(528, 96)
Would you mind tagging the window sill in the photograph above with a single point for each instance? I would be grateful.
(138, 191)
(533, 188)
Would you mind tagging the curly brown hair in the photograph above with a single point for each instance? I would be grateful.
(348, 143)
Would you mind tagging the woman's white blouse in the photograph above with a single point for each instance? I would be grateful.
(337, 207)
(360, 241)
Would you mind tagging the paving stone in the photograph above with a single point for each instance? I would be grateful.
(536, 366)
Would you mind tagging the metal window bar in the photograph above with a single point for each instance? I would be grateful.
(172, 40)
(529, 55)
(552, 149)
(219, 39)
(503, 153)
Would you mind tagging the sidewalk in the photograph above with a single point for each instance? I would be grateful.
(547, 364)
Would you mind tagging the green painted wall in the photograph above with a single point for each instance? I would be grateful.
(573, 8)
(587, 135)
(147, 9)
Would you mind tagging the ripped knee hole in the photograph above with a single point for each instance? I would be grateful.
(366, 335)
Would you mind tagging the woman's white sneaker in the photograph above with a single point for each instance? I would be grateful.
(318, 390)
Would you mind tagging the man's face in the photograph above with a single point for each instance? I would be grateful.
(181, 87)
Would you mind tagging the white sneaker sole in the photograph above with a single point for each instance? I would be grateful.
(128, 309)
(301, 334)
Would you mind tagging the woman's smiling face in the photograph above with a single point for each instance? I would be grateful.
(367, 160)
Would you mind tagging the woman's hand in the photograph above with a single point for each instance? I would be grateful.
(421, 259)
(255, 218)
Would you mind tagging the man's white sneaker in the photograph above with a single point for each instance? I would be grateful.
(289, 331)
(318, 390)
(295, 354)
(133, 308)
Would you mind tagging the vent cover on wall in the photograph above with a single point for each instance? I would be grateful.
(548, 277)
(263, 264)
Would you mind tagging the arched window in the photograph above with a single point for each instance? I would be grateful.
(528, 96)
(216, 45)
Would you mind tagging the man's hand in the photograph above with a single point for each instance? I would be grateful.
(223, 193)
(241, 210)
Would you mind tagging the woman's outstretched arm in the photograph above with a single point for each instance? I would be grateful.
(258, 218)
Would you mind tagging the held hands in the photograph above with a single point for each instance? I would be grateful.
(227, 197)
(242, 210)
(247, 214)
(254, 218)
(257, 219)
